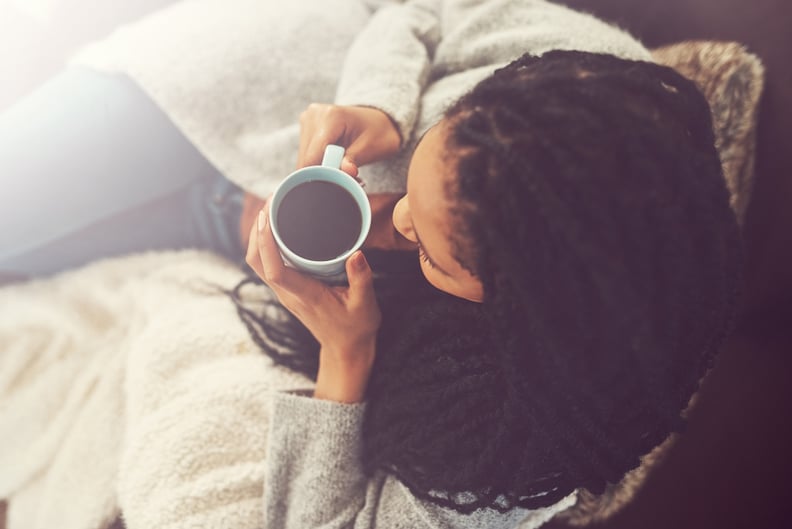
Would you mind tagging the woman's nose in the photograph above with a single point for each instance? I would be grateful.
(402, 220)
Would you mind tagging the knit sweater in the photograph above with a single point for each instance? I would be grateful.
(238, 97)
(238, 100)
(314, 479)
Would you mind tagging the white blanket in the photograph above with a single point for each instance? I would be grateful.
(132, 384)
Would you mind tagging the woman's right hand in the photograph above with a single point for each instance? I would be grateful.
(343, 319)
(367, 134)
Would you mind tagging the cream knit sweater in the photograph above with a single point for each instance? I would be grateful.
(234, 75)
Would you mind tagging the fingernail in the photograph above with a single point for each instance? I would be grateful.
(262, 220)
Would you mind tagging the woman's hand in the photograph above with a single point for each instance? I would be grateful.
(251, 205)
(367, 134)
(344, 320)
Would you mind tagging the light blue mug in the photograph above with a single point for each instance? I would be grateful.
(329, 172)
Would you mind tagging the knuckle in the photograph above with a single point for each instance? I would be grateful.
(250, 258)
(333, 112)
(313, 109)
(307, 112)
(272, 277)
(360, 306)
(285, 302)
(281, 298)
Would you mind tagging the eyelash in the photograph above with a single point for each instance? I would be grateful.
(425, 258)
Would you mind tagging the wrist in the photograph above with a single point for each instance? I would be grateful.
(343, 375)
(387, 123)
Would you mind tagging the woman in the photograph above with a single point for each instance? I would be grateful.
(573, 207)
(570, 212)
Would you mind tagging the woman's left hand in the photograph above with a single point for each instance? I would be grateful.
(344, 320)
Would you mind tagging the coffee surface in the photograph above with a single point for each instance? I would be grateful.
(318, 220)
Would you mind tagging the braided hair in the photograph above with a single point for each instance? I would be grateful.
(590, 202)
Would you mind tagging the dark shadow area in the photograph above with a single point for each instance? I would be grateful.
(731, 468)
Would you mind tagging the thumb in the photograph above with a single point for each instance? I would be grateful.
(361, 280)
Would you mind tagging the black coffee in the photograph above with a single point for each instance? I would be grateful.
(319, 220)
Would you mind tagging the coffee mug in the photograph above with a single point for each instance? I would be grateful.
(320, 216)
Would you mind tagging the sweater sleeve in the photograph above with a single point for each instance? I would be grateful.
(314, 478)
(387, 66)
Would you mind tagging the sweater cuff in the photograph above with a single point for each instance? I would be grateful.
(336, 422)
(400, 108)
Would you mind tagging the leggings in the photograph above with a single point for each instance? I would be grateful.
(91, 168)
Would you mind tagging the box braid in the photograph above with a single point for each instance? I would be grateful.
(590, 202)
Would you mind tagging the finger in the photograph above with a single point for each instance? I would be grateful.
(266, 250)
(329, 126)
(253, 259)
(307, 132)
(252, 255)
(315, 149)
(312, 146)
(355, 152)
(328, 129)
(305, 138)
(311, 150)
(350, 168)
(370, 144)
(361, 280)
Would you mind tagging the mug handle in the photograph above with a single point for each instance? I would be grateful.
(332, 156)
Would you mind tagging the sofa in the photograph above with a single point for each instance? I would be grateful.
(730, 469)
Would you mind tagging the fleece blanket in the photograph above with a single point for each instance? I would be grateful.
(131, 384)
